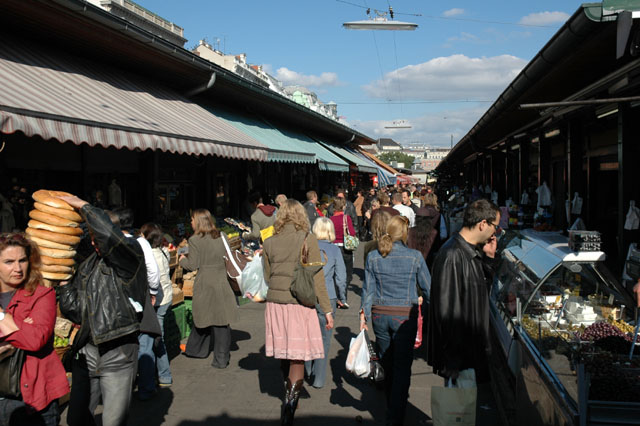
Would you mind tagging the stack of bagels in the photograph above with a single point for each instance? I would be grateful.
(55, 228)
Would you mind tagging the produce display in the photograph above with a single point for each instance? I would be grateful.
(55, 228)
(613, 378)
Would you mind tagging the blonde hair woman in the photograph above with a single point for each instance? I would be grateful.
(393, 273)
(378, 229)
(214, 304)
(335, 278)
(292, 331)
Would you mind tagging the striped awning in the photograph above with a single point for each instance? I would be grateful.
(56, 95)
(362, 165)
(281, 148)
(327, 160)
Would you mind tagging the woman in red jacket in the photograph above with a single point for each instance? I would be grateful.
(27, 319)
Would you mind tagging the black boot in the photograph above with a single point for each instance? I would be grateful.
(291, 397)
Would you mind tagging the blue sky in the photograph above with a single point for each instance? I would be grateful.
(439, 78)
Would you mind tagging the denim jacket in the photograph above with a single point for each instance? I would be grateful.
(393, 280)
(335, 272)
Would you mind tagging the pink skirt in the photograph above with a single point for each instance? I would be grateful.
(292, 332)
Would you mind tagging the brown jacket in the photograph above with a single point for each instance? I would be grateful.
(280, 255)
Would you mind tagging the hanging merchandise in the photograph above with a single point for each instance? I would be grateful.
(578, 225)
(567, 210)
(487, 189)
(544, 195)
(525, 198)
(494, 197)
(576, 204)
(633, 217)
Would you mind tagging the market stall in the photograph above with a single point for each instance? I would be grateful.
(563, 330)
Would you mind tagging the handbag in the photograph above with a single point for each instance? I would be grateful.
(455, 404)
(11, 362)
(303, 285)
(350, 242)
(376, 372)
(234, 262)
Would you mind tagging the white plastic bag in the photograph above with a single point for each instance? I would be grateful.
(544, 195)
(252, 285)
(576, 204)
(358, 356)
(455, 404)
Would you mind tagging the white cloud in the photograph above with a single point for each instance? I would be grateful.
(435, 129)
(453, 12)
(545, 18)
(455, 77)
(289, 77)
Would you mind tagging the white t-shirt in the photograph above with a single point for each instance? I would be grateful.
(406, 212)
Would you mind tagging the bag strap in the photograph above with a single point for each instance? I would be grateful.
(345, 229)
(231, 258)
(304, 251)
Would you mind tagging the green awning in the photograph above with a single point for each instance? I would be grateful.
(280, 147)
(327, 160)
(363, 166)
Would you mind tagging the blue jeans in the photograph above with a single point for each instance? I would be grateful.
(318, 367)
(395, 337)
(146, 366)
(109, 376)
(15, 412)
(162, 359)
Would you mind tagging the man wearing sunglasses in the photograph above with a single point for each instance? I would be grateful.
(458, 328)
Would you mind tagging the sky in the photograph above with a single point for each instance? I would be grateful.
(437, 80)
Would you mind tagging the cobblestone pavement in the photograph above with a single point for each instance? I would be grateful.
(249, 391)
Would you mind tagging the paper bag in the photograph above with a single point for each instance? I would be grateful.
(453, 406)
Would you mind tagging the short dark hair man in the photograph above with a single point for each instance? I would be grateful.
(106, 297)
(406, 200)
(458, 331)
(310, 207)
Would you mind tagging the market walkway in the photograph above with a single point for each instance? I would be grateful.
(250, 390)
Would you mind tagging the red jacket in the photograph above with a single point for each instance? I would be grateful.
(43, 377)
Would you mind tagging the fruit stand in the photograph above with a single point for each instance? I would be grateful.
(563, 329)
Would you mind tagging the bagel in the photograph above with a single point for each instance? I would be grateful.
(51, 199)
(53, 236)
(56, 276)
(46, 260)
(66, 214)
(59, 254)
(50, 219)
(56, 268)
(36, 224)
(50, 244)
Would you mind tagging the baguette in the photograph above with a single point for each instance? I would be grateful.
(53, 236)
(49, 244)
(67, 230)
(56, 276)
(50, 219)
(56, 268)
(66, 214)
(51, 199)
(46, 260)
(59, 254)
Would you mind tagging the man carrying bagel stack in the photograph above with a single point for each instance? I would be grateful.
(105, 296)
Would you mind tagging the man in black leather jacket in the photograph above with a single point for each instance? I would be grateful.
(458, 328)
(106, 297)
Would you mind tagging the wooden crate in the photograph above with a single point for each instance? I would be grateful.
(178, 295)
(187, 288)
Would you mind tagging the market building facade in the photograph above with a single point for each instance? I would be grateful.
(570, 120)
(91, 100)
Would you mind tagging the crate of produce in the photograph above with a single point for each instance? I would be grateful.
(584, 237)
(187, 288)
(178, 295)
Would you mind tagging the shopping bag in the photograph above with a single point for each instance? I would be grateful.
(252, 283)
(358, 356)
(455, 404)
(234, 262)
(418, 341)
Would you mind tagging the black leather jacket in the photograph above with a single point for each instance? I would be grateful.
(458, 328)
(98, 295)
(312, 213)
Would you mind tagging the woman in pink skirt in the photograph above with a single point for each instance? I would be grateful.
(292, 330)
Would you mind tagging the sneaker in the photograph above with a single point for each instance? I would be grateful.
(344, 305)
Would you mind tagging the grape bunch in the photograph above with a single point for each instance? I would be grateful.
(615, 344)
(600, 330)
(612, 381)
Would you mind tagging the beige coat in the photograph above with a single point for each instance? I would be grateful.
(280, 255)
(213, 300)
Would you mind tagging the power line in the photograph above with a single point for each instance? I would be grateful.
(450, 18)
(435, 101)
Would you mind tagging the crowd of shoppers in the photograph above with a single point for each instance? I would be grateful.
(122, 292)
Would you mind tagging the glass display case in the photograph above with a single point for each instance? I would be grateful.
(556, 316)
